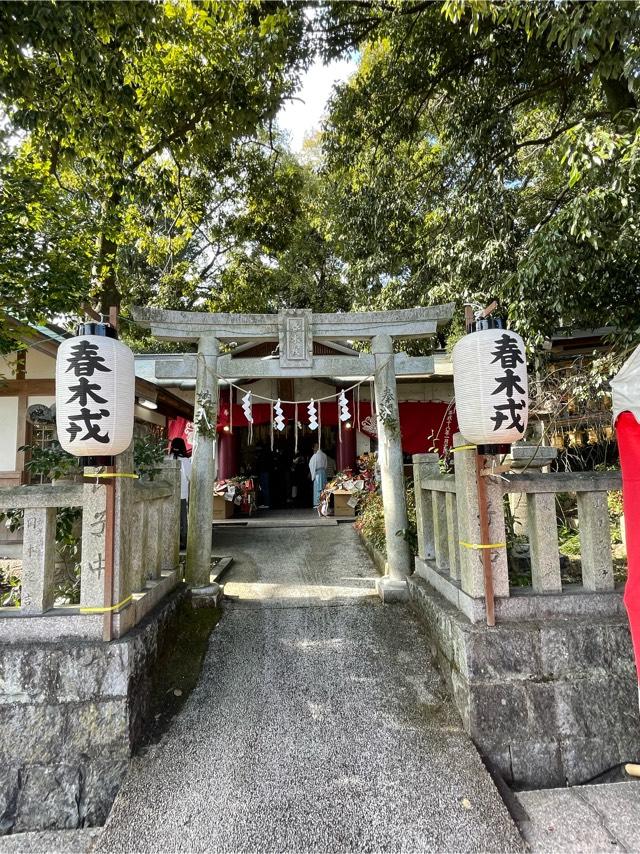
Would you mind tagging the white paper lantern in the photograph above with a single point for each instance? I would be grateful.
(490, 385)
(95, 395)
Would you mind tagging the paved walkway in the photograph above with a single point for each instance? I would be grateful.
(582, 819)
(318, 724)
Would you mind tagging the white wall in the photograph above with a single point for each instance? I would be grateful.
(8, 433)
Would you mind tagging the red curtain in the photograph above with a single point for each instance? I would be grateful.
(423, 425)
(628, 431)
(178, 427)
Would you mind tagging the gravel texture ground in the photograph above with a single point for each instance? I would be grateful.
(319, 723)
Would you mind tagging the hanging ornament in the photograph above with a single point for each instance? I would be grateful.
(490, 383)
(95, 392)
(313, 415)
(279, 415)
(247, 407)
(343, 403)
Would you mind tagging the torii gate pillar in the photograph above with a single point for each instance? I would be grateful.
(392, 587)
(203, 470)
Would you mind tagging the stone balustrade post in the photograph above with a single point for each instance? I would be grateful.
(532, 458)
(440, 534)
(424, 465)
(152, 544)
(453, 536)
(139, 535)
(38, 560)
(542, 525)
(595, 541)
(471, 565)
(170, 516)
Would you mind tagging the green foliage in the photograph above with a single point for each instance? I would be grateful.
(136, 141)
(490, 150)
(371, 521)
(52, 462)
(148, 452)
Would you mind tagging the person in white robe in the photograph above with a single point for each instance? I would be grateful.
(318, 472)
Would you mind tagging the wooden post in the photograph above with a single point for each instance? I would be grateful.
(110, 524)
(481, 462)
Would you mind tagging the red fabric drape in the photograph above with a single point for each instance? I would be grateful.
(423, 425)
(178, 427)
(628, 431)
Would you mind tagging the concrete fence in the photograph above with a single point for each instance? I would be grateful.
(549, 695)
(146, 553)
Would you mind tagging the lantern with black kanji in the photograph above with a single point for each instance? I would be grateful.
(490, 384)
(95, 393)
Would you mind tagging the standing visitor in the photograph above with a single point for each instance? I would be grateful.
(179, 452)
(318, 472)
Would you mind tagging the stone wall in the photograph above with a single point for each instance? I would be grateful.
(71, 714)
(548, 703)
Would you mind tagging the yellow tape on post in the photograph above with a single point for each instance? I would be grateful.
(106, 610)
(482, 545)
(114, 474)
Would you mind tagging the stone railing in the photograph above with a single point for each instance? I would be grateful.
(448, 525)
(146, 553)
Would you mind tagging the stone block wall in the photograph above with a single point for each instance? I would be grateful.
(71, 714)
(548, 703)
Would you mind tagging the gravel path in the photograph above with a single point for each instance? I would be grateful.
(318, 724)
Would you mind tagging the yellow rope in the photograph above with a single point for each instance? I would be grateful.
(463, 448)
(482, 545)
(106, 610)
(114, 474)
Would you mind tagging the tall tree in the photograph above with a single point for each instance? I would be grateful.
(131, 126)
(491, 149)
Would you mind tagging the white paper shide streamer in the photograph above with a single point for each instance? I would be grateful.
(343, 403)
(95, 396)
(491, 389)
(313, 415)
(278, 415)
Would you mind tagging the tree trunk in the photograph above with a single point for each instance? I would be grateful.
(104, 270)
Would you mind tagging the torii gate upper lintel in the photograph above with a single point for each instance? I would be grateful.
(295, 330)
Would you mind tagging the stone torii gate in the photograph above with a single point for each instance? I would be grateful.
(296, 330)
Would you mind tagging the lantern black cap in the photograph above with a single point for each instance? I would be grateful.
(91, 328)
(481, 323)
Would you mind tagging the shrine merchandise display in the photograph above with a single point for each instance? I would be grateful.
(95, 393)
(343, 496)
(490, 382)
(237, 494)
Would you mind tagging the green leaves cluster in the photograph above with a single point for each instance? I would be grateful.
(490, 150)
(135, 133)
